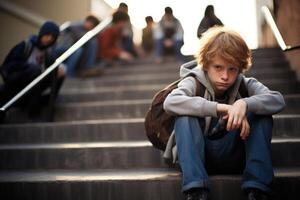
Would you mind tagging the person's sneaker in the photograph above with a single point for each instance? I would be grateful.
(256, 194)
(196, 194)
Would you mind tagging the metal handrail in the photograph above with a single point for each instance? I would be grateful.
(58, 61)
(269, 18)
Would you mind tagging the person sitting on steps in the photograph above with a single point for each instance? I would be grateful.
(109, 41)
(26, 61)
(229, 129)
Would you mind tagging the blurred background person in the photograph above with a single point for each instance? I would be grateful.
(127, 33)
(83, 60)
(25, 62)
(168, 36)
(209, 20)
(110, 41)
(147, 36)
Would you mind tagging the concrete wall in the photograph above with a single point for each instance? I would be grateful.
(15, 29)
(287, 17)
(288, 20)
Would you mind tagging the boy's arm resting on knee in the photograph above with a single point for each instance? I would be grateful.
(182, 101)
(261, 100)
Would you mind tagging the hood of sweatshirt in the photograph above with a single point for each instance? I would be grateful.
(194, 68)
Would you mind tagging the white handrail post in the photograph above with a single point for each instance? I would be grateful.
(274, 28)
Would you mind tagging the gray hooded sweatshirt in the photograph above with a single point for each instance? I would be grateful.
(182, 100)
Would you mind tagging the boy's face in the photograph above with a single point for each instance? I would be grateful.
(222, 75)
(47, 40)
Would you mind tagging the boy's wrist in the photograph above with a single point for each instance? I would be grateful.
(222, 109)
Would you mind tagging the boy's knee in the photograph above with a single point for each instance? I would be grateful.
(188, 121)
(184, 119)
(265, 119)
(268, 119)
(262, 124)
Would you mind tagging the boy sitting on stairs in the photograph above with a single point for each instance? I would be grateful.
(229, 129)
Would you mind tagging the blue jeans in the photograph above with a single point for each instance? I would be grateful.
(160, 49)
(197, 153)
(83, 58)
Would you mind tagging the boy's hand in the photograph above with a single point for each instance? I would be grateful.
(236, 115)
(245, 129)
(222, 109)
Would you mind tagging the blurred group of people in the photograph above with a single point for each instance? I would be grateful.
(114, 44)
(166, 36)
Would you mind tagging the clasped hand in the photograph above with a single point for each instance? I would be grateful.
(236, 117)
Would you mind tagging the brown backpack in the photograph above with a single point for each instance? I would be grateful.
(159, 124)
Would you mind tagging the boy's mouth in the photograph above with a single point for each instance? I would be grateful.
(222, 85)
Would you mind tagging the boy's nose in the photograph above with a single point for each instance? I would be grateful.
(225, 75)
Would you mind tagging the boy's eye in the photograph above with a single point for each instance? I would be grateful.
(218, 67)
(233, 69)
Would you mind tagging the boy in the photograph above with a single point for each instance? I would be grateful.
(25, 62)
(220, 131)
(147, 36)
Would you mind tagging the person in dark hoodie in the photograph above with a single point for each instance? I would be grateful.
(26, 61)
(229, 128)
(209, 20)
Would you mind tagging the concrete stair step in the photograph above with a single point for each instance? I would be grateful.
(143, 91)
(285, 126)
(130, 109)
(154, 73)
(156, 79)
(108, 130)
(267, 52)
(284, 86)
(175, 67)
(117, 109)
(105, 93)
(146, 184)
(113, 155)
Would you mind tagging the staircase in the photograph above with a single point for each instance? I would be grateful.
(97, 148)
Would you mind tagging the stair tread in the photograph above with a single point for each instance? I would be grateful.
(107, 144)
(116, 174)
(106, 121)
(135, 102)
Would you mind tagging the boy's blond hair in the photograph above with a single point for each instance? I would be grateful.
(226, 43)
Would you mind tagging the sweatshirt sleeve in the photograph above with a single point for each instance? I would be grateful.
(261, 100)
(15, 60)
(108, 44)
(182, 101)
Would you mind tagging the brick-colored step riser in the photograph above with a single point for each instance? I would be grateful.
(114, 158)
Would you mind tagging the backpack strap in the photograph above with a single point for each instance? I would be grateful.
(243, 91)
(200, 89)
